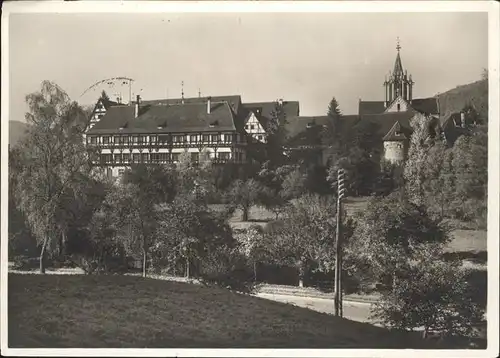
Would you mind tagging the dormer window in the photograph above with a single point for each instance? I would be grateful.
(213, 124)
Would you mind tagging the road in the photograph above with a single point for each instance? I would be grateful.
(356, 311)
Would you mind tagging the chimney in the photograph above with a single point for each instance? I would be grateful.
(280, 101)
(137, 106)
(462, 119)
(209, 105)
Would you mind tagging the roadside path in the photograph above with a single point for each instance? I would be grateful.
(356, 311)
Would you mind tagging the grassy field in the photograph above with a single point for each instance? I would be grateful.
(126, 312)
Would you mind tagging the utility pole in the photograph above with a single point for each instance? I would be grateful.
(338, 246)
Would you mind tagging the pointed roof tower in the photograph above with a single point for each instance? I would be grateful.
(398, 66)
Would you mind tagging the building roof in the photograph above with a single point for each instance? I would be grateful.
(263, 110)
(426, 105)
(422, 105)
(384, 122)
(305, 130)
(234, 101)
(371, 107)
(398, 66)
(107, 103)
(175, 118)
(397, 133)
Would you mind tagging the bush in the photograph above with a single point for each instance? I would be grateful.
(228, 269)
(26, 263)
(433, 295)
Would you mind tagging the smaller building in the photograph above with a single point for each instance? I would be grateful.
(258, 115)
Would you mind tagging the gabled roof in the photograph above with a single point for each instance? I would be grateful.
(371, 107)
(175, 118)
(426, 105)
(397, 133)
(305, 130)
(263, 110)
(107, 103)
(422, 105)
(384, 122)
(234, 101)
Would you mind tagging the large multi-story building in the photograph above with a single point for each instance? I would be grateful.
(159, 131)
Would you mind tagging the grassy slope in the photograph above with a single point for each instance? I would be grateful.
(456, 99)
(125, 312)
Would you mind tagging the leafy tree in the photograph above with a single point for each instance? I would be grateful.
(253, 246)
(157, 182)
(470, 166)
(360, 158)
(293, 185)
(414, 171)
(303, 238)
(390, 179)
(244, 194)
(195, 177)
(97, 247)
(334, 109)
(144, 186)
(187, 230)
(389, 233)
(438, 181)
(433, 294)
(276, 134)
(273, 201)
(332, 136)
(21, 240)
(51, 155)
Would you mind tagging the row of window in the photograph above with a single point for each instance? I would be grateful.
(162, 139)
(158, 157)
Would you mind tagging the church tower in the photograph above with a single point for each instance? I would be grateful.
(399, 84)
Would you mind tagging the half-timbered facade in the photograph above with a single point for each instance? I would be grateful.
(158, 133)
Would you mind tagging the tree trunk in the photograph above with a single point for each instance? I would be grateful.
(301, 275)
(144, 262)
(245, 214)
(187, 267)
(255, 271)
(42, 256)
(61, 244)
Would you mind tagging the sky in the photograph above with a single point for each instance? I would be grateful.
(305, 57)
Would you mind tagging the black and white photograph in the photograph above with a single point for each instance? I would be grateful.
(273, 178)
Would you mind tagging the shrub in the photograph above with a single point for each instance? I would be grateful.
(433, 295)
(229, 269)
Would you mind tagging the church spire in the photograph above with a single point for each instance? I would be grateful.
(398, 66)
(398, 84)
